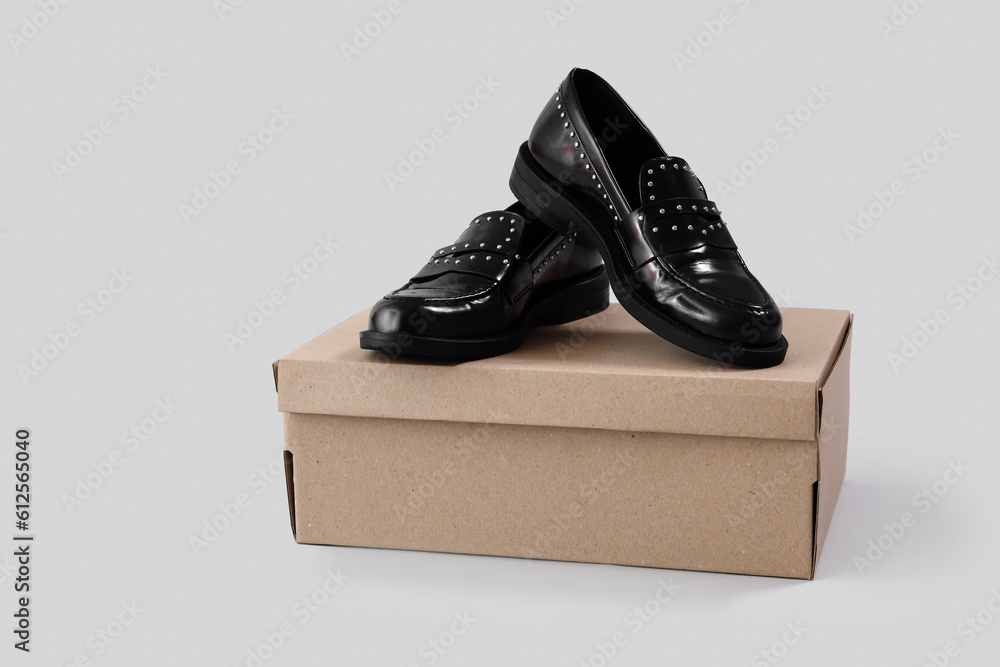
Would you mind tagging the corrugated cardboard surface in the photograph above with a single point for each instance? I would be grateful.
(593, 495)
(563, 450)
(603, 372)
(835, 408)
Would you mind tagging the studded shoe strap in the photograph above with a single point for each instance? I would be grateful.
(683, 223)
(489, 248)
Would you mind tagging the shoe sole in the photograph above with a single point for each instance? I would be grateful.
(547, 198)
(580, 298)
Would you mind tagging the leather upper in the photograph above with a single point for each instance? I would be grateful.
(480, 284)
(674, 241)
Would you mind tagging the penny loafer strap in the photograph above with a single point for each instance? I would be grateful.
(488, 248)
(683, 223)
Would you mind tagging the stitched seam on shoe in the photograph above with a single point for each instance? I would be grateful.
(462, 297)
(770, 301)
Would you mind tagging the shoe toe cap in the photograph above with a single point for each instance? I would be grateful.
(389, 316)
(724, 302)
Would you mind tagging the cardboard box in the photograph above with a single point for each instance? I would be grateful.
(597, 441)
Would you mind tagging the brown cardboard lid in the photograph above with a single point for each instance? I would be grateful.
(606, 371)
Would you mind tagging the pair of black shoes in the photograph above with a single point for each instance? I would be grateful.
(598, 200)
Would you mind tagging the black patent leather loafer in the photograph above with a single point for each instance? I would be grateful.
(590, 161)
(479, 296)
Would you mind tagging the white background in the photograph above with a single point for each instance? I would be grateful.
(324, 176)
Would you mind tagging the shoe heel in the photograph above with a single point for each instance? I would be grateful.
(539, 192)
(584, 300)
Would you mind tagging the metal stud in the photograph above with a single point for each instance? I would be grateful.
(576, 144)
(563, 246)
(458, 261)
(650, 184)
(517, 257)
(642, 217)
(582, 156)
(437, 261)
(572, 134)
(704, 231)
(466, 245)
(562, 114)
(454, 248)
(694, 208)
(674, 228)
(593, 177)
(472, 256)
(652, 197)
(501, 218)
(506, 262)
(488, 257)
(565, 124)
(680, 208)
(662, 211)
(508, 239)
(663, 166)
(499, 247)
(649, 171)
(690, 226)
(676, 166)
(488, 218)
(656, 229)
(545, 262)
(587, 167)
(482, 245)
